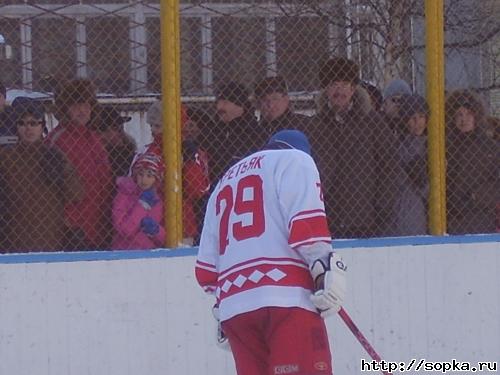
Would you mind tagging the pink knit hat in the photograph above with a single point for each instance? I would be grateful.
(151, 162)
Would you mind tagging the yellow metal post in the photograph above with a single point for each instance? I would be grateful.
(170, 87)
(434, 42)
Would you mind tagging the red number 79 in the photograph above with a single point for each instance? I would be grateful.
(239, 205)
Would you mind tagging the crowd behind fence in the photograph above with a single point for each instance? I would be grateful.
(79, 170)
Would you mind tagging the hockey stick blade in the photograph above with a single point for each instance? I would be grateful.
(361, 338)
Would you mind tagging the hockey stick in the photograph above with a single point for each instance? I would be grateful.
(361, 338)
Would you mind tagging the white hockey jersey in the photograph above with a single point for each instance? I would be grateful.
(262, 210)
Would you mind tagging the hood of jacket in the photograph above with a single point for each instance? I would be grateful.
(127, 185)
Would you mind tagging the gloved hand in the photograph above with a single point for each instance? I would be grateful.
(150, 226)
(148, 198)
(222, 340)
(330, 280)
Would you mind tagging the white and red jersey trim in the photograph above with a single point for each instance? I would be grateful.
(307, 227)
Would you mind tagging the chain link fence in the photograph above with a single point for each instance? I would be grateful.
(349, 73)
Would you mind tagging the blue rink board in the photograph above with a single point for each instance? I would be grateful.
(59, 257)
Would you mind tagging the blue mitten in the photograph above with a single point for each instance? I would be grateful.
(150, 226)
(148, 198)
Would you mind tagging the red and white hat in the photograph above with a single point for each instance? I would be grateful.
(151, 162)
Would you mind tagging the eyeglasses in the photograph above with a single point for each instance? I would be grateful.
(32, 124)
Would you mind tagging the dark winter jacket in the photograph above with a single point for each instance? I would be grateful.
(359, 168)
(472, 175)
(411, 207)
(473, 185)
(228, 143)
(287, 120)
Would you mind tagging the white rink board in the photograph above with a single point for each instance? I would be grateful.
(118, 316)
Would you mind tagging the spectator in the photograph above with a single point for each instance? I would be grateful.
(8, 134)
(236, 132)
(273, 102)
(202, 124)
(411, 212)
(137, 208)
(38, 181)
(120, 146)
(356, 156)
(390, 105)
(472, 166)
(494, 132)
(195, 178)
(75, 109)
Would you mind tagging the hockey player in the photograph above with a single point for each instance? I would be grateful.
(266, 255)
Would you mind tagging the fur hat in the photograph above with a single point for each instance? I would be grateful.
(152, 162)
(271, 85)
(396, 87)
(291, 139)
(74, 92)
(235, 93)
(338, 69)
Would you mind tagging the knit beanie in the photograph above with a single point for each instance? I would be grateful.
(293, 139)
(412, 104)
(396, 87)
(271, 85)
(151, 162)
(235, 93)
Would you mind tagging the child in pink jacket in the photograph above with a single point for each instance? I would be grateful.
(137, 208)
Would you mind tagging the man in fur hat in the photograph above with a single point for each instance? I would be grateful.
(356, 155)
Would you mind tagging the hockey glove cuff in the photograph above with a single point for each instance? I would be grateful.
(222, 340)
(330, 281)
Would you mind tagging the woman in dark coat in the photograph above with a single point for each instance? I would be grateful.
(472, 166)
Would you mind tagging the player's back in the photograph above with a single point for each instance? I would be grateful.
(262, 208)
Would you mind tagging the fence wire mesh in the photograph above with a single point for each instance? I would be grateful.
(82, 86)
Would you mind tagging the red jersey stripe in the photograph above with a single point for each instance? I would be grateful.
(307, 229)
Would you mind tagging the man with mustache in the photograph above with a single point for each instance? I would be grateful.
(356, 156)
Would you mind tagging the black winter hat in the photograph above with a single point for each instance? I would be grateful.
(271, 85)
(235, 93)
(338, 69)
